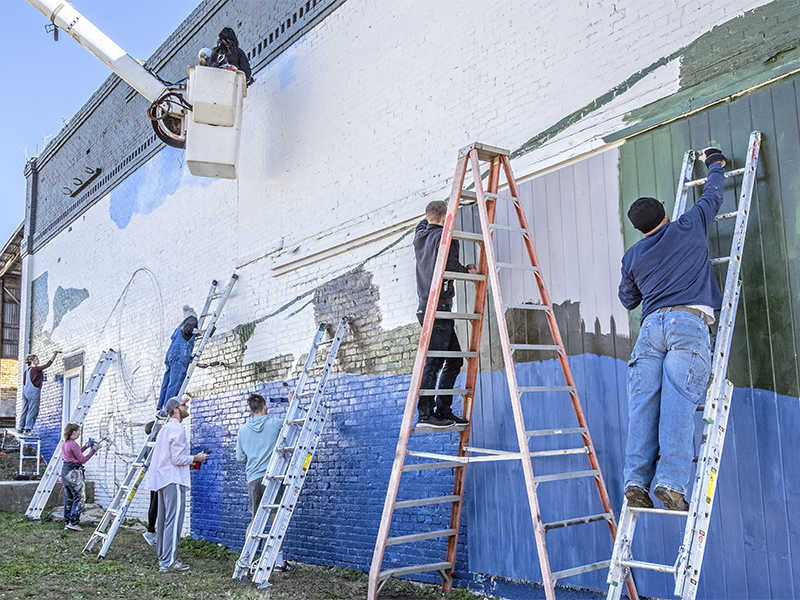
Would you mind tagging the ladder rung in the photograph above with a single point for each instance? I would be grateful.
(542, 432)
(426, 501)
(445, 392)
(297, 421)
(544, 453)
(285, 449)
(437, 465)
(417, 537)
(450, 354)
(660, 511)
(556, 575)
(472, 195)
(466, 235)
(546, 388)
(443, 314)
(509, 228)
(440, 566)
(271, 506)
(464, 276)
(422, 428)
(570, 475)
(638, 564)
(516, 266)
(528, 306)
(697, 182)
(730, 215)
(720, 261)
(324, 343)
(535, 347)
(275, 476)
(577, 521)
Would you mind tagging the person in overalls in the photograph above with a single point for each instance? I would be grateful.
(72, 475)
(32, 379)
(179, 356)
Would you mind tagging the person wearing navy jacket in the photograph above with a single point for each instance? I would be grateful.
(669, 273)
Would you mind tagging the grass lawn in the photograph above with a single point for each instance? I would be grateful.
(42, 561)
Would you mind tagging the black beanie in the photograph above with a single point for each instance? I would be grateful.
(646, 214)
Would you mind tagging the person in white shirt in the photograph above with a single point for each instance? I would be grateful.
(169, 476)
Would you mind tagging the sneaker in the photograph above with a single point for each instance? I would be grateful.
(450, 416)
(285, 567)
(672, 500)
(74, 527)
(638, 497)
(435, 420)
(150, 538)
(176, 566)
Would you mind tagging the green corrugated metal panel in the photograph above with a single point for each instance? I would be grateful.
(764, 352)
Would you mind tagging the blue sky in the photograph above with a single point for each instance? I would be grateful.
(48, 82)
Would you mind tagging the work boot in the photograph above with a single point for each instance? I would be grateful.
(672, 500)
(638, 497)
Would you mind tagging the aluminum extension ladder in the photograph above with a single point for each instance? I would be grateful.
(488, 270)
(715, 412)
(78, 416)
(287, 467)
(115, 515)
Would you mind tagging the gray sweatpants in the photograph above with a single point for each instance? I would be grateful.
(171, 510)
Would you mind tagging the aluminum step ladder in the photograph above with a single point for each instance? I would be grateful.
(35, 444)
(288, 465)
(78, 416)
(574, 438)
(115, 514)
(715, 411)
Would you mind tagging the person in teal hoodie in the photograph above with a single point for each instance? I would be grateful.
(254, 446)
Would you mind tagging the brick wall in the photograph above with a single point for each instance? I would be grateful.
(8, 387)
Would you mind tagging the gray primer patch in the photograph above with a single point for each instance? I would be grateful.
(66, 300)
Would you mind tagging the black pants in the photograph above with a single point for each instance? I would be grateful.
(152, 512)
(443, 337)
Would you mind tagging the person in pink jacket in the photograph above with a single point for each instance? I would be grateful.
(72, 475)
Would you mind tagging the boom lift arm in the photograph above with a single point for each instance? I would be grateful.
(218, 94)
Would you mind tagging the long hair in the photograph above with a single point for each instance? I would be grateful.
(69, 430)
(227, 43)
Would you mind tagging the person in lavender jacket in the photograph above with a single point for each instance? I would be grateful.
(169, 476)
(72, 475)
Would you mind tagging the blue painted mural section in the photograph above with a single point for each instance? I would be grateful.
(339, 511)
(48, 423)
(150, 185)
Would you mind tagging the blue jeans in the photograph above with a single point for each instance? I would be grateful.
(443, 337)
(30, 408)
(173, 378)
(667, 376)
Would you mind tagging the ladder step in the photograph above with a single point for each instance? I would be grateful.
(445, 392)
(527, 306)
(448, 464)
(485, 152)
(565, 452)
(467, 236)
(546, 388)
(535, 347)
(517, 266)
(720, 261)
(509, 228)
(416, 537)
(464, 276)
(577, 521)
(450, 354)
(443, 314)
(472, 196)
(297, 421)
(730, 215)
(570, 475)
(543, 432)
(285, 449)
(426, 501)
(440, 566)
(638, 564)
(275, 476)
(428, 429)
(556, 575)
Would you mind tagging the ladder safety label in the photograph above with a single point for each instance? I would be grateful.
(712, 478)
(306, 462)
